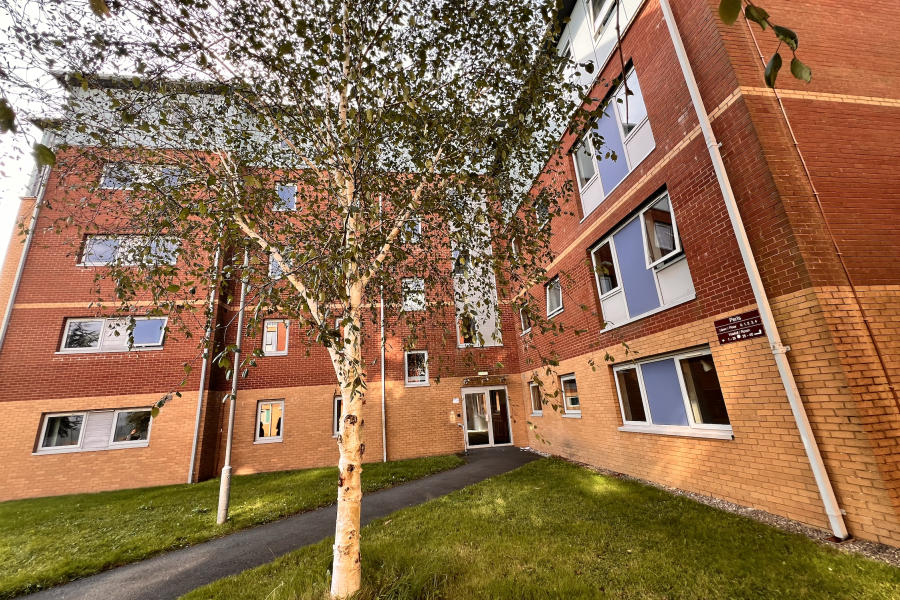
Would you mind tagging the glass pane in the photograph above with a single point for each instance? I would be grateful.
(605, 269)
(269, 420)
(637, 280)
(704, 391)
(132, 426)
(477, 420)
(526, 319)
(117, 177)
(660, 227)
(413, 294)
(536, 404)
(100, 250)
(163, 251)
(500, 417)
(62, 431)
(664, 393)
(338, 403)
(287, 197)
(612, 164)
(570, 393)
(415, 368)
(630, 390)
(585, 164)
(554, 297)
(148, 332)
(467, 334)
(275, 271)
(281, 343)
(630, 108)
(84, 334)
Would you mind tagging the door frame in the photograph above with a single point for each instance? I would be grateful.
(486, 389)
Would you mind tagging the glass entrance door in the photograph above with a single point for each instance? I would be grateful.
(487, 417)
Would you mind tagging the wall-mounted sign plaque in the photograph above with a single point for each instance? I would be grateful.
(740, 327)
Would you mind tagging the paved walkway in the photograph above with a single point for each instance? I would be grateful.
(171, 575)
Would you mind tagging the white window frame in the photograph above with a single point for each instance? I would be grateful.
(83, 262)
(554, 282)
(522, 320)
(62, 449)
(562, 391)
(597, 29)
(586, 142)
(612, 250)
(131, 443)
(272, 439)
(414, 224)
(535, 412)
(672, 256)
(336, 415)
(103, 328)
(405, 286)
(693, 429)
(278, 207)
(287, 337)
(406, 380)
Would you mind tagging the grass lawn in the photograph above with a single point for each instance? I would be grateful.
(554, 530)
(48, 541)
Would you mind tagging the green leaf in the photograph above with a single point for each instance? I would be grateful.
(800, 70)
(7, 117)
(772, 70)
(757, 15)
(44, 156)
(729, 11)
(174, 287)
(99, 8)
(589, 67)
(154, 412)
(787, 36)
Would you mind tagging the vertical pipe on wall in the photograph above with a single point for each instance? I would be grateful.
(826, 491)
(225, 483)
(205, 365)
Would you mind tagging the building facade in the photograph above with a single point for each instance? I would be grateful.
(736, 263)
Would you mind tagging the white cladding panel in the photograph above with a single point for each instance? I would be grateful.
(675, 282)
(614, 310)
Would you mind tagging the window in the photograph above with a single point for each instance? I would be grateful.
(275, 337)
(89, 431)
(640, 269)
(111, 335)
(570, 394)
(468, 330)
(675, 395)
(461, 262)
(336, 415)
(416, 368)
(602, 14)
(130, 427)
(554, 297)
(515, 247)
(117, 177)
(128, 250)
(627, 140)
(525, 318)
(412, 230)
(275, 270)
(270, 421)
(413, 294)
(537, 404)
(287, 197)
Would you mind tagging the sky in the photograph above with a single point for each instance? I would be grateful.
(16, 170)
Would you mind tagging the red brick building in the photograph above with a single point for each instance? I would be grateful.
(805, 256)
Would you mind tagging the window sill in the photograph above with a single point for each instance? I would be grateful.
(572, 415)
(413, 385)
(273, 355)
(715, 434)
(135, 349)
(526, 332)
(119, 446)
(269, 441)
(553, 314)
(537, 414)
(650, 313)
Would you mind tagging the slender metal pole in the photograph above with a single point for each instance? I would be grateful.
(205, 366)
(826, 491)
(225, 484)
(383, 390)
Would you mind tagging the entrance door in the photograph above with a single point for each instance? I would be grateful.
(487, 417)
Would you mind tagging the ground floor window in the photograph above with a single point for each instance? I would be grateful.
(336, 419)
(270, 421)
(570, 394)
(677, 394)
(85, 431)
(132, 427)
(537, 405)
(416, 368)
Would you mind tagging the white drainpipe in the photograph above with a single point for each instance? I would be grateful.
(778, 349)
(383, 419)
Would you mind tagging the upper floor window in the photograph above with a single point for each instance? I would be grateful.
(125, 176)
(111, 335)
(128, 250)
(603, 12)
(416, 368)
(640, 269)
(413, 294)
(525, 319)
(679, 394)
(287, 197)
(468, 330)
(627, 140)
(554, 297)
(275, 337)
(412, 230)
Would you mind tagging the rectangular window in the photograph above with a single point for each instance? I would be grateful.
(416, 368)
(525, 318)
(537, 404)
(111, 335)
(554, 297)
(117, 176)
(468, 330)
(602, 14)
(62, 431)
(275, 270)
(336, 415)
(270, 421)
(287, 197)
(570, 394)
(640, 269)
(412, 230)
(675, 395)
(128, 250)
(413, 294)
(275, 337)
(585, 166)
(131, 428)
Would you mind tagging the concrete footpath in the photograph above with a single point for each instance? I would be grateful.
(173, 574)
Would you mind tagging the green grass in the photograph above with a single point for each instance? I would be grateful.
(555, 530)
(48, 541)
